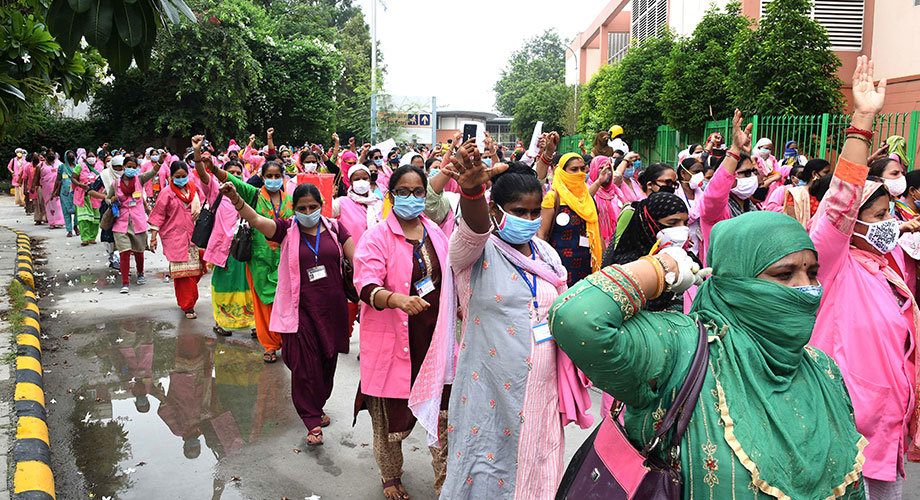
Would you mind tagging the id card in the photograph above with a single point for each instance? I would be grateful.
(424, 286)
(541, 333)
(316, 273)
(132, 203)
(583, 242)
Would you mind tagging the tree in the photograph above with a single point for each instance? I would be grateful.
(785, 67)
(545, 101)
(697, 73)
(540, 61)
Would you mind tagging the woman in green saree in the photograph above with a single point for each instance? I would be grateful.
(774, 419)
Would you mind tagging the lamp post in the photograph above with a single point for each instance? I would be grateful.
(575, 103)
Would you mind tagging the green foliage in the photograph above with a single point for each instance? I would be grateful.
(785, 67)
(540, 61)
(628, 93)
(697, 72)
(546, 101)
(42, 129)
(122, 30)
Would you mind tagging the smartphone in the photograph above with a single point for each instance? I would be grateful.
(469, 131)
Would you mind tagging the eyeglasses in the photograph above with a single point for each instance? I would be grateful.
(666, 183)
(350, 162)
(745, 173)
(417, 192)
(377, 157)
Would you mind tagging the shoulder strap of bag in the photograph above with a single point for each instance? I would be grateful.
(685, 402)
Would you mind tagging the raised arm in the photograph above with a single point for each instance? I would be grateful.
(271, 143)
(715, 197)
(261, 224)
(199, 164)
(549, 143)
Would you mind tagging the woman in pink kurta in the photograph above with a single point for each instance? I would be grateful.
(25, 180)
(627, 187)
(53, 211)
(408, 334)
(607, 199)
(15, 167)
(130, 228)
(868, 317)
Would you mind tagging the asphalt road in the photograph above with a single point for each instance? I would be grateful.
(145, 404)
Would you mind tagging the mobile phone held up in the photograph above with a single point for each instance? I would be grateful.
(469, 131)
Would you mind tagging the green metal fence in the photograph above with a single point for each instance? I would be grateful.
(569, 144)
(817, 136)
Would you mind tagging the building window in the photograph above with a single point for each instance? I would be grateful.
(648, 16)
(617, 45)
(843, 20)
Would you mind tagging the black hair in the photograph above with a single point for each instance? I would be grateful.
(176, 166)
(271, 163)
(131, 159)
(812, 167)
(913, 179)
(403, 170)
(879, 192)
(430, 161)
(691, 148)
(371, 152)
(796, 171)
(233, 163)
(501, 154)
(368, 163)
(515, 182)
(714, 162)
(305, 153)
(688, 162)
(820, 187)
(877, 168)
(652, 173)
(271, 157)
(556, 158)
(307, 189)
(587, 158)
(519, 155)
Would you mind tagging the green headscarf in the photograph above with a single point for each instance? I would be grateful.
(898, 146)
(786, 412)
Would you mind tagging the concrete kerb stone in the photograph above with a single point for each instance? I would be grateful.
(33, 478)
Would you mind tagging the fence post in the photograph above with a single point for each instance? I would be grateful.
(825, 121)
(912, 137)
(754, 120)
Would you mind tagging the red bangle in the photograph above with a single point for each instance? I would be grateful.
(475, 196)
(865, 133)
(733, 155)
(549, 161)
(387, 306)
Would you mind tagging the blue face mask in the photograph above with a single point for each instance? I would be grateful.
(433, 172)
(638, 164)
(130, 172)
(801, 183)
(629, 172)
(308, 220)
(155, 158)
(179, 182)
(274, 185)
(813, 290)
(408, 207)
(516, 230)
(487, 162)
(378, 162)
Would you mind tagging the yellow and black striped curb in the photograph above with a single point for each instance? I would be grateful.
(33, 479)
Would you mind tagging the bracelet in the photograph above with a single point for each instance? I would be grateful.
(373, 298)
(659, 269)
(669, 277)
(868, 134)
(481, 194)
(549, 161)
(387, 306)
(733, 155)
(238, 208)
(861, 138)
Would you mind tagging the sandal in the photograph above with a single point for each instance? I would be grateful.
(190, 314)
(315, 437)
(254, 334)
(223, 333)
(269, 357)
(396, 484)
(325, 421)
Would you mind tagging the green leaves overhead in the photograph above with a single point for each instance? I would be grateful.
(80, 6)
(130, 23)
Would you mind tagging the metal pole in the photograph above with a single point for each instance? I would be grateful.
(574, 104)
(373, 71)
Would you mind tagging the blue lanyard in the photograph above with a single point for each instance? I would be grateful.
(311, 247)
(533, 286)
(418, 256)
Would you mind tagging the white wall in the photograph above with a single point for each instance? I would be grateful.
(684, 15)
(895, 33)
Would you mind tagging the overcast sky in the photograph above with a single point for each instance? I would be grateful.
(417, 37)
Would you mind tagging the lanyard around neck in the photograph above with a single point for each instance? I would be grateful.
(314, 249)
(531, 286)
(415, 252)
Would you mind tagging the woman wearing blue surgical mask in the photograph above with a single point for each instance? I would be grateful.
(507, 383)
(408, 328)
(625, 171)
(262, 270)
(124, 188)
(310, 309)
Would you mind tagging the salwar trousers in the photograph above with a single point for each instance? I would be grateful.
(262, 313)
(312, 375)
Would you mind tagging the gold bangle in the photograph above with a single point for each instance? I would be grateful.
(659, 269)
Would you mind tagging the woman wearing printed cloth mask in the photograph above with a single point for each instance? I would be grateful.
(273, 202)
(310, 308)
(408, 329)
(517, 390)
(572, 228)
(173, 220)
(130, 229)
(863, 269)
(773, 419)
(791, 155)
(731, 187)
(692, 179)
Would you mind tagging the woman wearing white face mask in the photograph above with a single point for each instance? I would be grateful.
(310, 307)
(691, 178)
(762, 155)
(868, 320)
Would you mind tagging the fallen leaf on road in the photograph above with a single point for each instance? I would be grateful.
(119, 340)
(98, 400)
(52, 399)
(312, 497)
(69, 391)
(119, 391)
(141, 464)
(365, 445)
(87, 417)
(81, 398)
(234, 478)
(66, 337)
(297, 450)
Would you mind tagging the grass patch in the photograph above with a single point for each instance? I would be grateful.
(17, 294)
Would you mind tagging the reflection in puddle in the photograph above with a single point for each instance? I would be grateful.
(159, 398)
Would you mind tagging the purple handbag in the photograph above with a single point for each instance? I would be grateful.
(608, 467)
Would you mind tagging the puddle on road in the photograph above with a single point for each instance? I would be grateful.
(164, 407)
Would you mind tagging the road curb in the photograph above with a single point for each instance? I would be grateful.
(33, 479)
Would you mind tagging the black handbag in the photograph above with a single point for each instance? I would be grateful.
(204, 225)
(241, 247)
(607, 466)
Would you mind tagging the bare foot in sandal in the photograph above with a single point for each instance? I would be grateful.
(393, 490)
(315, 437)
(269, 357)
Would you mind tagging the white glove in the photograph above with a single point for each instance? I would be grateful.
(688, 272)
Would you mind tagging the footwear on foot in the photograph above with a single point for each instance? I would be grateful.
(70, 234)
(124, 289)
(315, 437)
(190, 314)
(141, 279)
(325, 421)
(254, 334)
(220, 331)
(393, 489)
(270, 357)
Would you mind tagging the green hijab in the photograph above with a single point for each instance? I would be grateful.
(786, 412)
(898, 146)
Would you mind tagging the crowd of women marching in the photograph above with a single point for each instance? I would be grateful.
(562, 272)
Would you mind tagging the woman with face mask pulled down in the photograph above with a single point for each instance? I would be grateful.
(513, 386)
(408, 329)
(864, 270)
(273, 202)
(310, 307)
